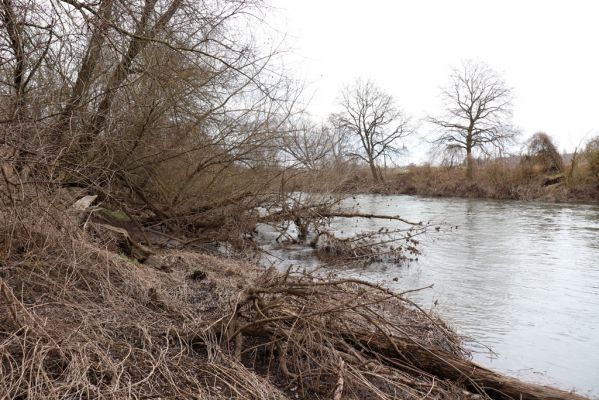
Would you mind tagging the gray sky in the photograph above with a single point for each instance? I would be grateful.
(547, 51)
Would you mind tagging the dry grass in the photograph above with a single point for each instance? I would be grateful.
(80, 321)
(496, 179)
(540, 174)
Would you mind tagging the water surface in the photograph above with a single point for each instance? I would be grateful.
(519, 278)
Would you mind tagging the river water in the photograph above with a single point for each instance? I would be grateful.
(519, 278)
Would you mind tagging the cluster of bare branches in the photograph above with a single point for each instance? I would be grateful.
(384, 245)
(167, 109)
(370, 115)
(304, 218)
(313, 147)
(478, 113)
(327, 337)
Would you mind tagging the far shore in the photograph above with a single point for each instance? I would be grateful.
(489, 182)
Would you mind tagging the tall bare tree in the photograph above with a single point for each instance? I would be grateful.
(26, 34)
(371, 115)
(478, 111)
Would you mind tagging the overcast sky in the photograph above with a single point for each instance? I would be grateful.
(547, 51)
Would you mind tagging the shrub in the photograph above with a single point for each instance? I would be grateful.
(543, 154)
(592, 156)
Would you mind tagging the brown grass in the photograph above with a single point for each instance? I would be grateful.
(80, 321)
(539, 174)
(496, 179)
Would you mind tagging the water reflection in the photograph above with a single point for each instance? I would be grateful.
(520, 277)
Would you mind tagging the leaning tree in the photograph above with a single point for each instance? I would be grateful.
(370, 115)
(478, 112)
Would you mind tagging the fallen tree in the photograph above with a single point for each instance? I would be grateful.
(289, 312)
(476, 377)
(306, 219)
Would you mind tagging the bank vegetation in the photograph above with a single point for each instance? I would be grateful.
(537, 172)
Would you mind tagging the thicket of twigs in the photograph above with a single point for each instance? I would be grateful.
(165, 109)
(319, 331)
(305, 218)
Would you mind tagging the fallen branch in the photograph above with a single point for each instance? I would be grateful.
(447, 366)
(371, 216)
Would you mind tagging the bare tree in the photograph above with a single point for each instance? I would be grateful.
(308, 145)
(25, 38)
(370, 114)
(478, 113)
(132, 93)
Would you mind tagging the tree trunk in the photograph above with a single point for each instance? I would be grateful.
(445, 366)
(469, 164)
(448, 366)
(144, 34)
(88, 65)
(469, 145)
(15, 36)
(374, 171)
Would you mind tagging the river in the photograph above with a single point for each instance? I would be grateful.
(519, 278)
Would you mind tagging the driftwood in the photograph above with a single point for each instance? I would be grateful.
(324, 212)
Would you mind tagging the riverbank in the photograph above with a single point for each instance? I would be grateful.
(81, 320)
(83, 316)
(489, 182)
